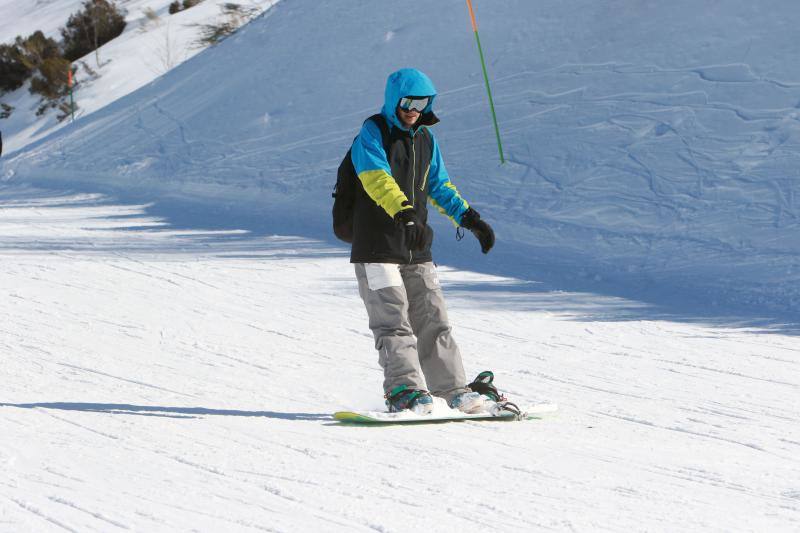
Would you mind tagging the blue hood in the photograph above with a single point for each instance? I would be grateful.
(408, 82)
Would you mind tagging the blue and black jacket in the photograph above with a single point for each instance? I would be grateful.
(408, 173)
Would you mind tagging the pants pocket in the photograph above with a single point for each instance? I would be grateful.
(430, 276)
(383, 275)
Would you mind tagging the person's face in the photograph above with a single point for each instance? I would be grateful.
(408, 118)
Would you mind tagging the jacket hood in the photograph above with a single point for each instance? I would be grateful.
(408, 82)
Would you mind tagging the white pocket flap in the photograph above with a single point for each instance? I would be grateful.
(382, 275)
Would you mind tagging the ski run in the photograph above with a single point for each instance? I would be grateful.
(178, 323)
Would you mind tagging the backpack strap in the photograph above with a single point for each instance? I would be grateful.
(380, 121)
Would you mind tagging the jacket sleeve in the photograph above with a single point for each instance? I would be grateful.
(442, 193)
(372, 168)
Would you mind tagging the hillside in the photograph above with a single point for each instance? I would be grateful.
(147, 49)
(178, 323)
(661, 158)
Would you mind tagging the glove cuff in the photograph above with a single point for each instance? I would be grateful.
(405, 215)
(470, 218)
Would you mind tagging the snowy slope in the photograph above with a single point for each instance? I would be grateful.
(145, 50)
(25, 17)
(177, 325)
(159, 376)
(649, 144)
(162, 375)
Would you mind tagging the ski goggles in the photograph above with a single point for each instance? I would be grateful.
(414, 103)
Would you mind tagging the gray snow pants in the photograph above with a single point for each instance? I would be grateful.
(408, 318)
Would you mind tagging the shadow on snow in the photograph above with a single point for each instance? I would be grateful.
(171, 412)
(520, 279)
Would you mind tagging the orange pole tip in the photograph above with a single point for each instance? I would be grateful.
(472, 16)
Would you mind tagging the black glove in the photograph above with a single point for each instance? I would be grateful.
(413, 228)
(471, 220)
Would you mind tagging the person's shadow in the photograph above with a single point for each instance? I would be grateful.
(172, 412)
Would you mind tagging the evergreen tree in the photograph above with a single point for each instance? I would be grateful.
(87, 30)
(13, 69)
(41, 56)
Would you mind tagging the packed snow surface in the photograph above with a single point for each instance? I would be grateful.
(177, 324)
(161, 374)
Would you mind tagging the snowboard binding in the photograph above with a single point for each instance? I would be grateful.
(403, 398)
(483, 384)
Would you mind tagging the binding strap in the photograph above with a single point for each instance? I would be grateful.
(483, 385)
(404, 394)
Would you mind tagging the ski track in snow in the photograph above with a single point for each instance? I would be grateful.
(163, 378)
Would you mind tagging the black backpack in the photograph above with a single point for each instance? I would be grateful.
(347, 184)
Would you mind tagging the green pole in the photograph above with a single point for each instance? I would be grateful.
(486, 80)
(72, 105)
(71, 97)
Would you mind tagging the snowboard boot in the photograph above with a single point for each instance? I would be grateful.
(468, 402)
(402, 398)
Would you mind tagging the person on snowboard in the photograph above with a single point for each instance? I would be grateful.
(391, 251)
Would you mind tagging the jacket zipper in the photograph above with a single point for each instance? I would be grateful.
(413, 187)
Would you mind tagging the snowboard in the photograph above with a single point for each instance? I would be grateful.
(534, 412)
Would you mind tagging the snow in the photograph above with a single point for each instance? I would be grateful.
(177, 323)
(145, 50)
(27, 16)
(663, 157)
(163, 373)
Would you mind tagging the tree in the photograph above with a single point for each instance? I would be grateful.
(87, 30)
(41, 57)
(50, 79)
(13, 69)
(36, 49)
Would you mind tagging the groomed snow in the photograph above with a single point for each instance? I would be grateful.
(177, 323)
(163, 371)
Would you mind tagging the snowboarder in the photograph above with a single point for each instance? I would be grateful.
(391, 249)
